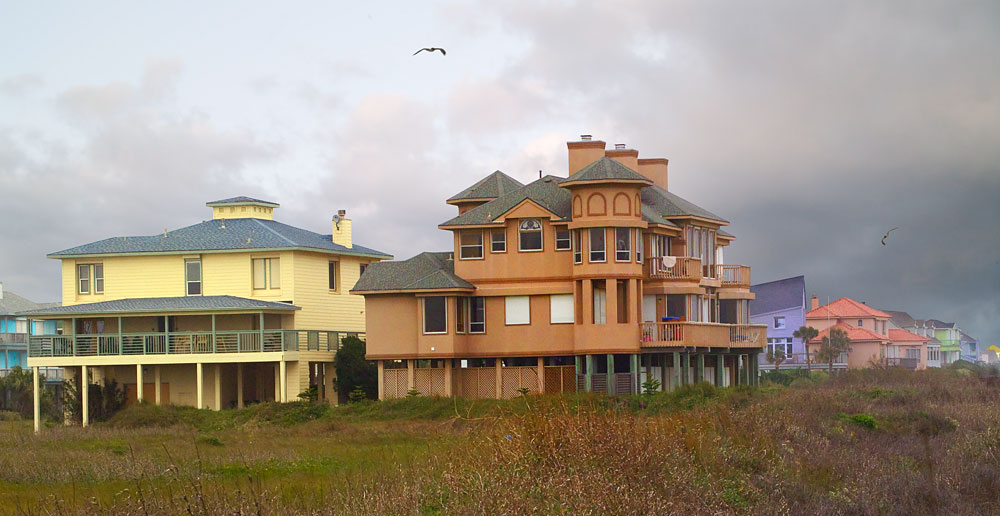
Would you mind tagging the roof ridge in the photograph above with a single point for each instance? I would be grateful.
(279, 235)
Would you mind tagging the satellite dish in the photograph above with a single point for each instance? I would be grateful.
(336, 220)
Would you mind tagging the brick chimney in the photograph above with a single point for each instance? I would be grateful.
(584, 152)
(625, 156)
(342, 229)
(655, 169)
(814, 302)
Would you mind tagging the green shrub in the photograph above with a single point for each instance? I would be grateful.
(353, 370)
(862, 420)
(209, 440)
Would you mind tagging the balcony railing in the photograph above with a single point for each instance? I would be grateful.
(734, 275)
(181, 343)
(905, 363)
(51, 374)
(688, 269)
(699, 334)
(802, 361)
(13, 338)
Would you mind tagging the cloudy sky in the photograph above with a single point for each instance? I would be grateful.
(813, 126)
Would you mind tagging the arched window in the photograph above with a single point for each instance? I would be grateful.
(530, 235)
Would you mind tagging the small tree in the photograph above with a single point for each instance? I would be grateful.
(806, 333)
(17, 393)
(353, 371)
(833, 345)
(776, 356)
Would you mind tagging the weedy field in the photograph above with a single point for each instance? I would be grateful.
(865, 442)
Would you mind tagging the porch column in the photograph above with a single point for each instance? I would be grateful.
(36, 399)
(541, 375)
(138, 383)
(498, 366)
(685, 368)
(261, 329)
(756, 368)
(217, 399)
(447, 376)
(156, 384)
(664, 378)
(199, 385)
(677, 370)
(239, 385)
(320, 382)
(700, 372)
(590, 371)
(410, 374)
(283, 380)
(84, 397)
(329, 380)
(380, 365)
(720, 369)
(214, 349)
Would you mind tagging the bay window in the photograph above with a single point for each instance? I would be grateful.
(623, 244)
(597, 245)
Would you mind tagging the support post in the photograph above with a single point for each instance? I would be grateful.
(36, 400)
(756, 368)
(611, 375)
(677, 370)
(156, 385)
(199, 385)
(277, 383)
(541, 375)
(283, 380)
(261, 328)
(587, 377)
(217, 398)
(215, 349)
(447, 377)
(84, 396)
(121, 345)
(720, 370)
(138, 383)
(411, 374)
(664, 379)
(701, 368)
(381, 379)
(498, 366)
(636, 376)
(239, 385)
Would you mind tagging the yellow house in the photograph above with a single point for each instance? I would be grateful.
(236, 309)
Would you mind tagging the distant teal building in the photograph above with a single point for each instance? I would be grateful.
(14, 330)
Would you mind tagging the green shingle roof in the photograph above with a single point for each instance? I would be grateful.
(606, 169)
(218, 235)
(165, 304)
(668, 204)
(425, 271)
(545, 192)
(489, 187)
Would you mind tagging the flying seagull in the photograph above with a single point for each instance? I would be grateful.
(431, 49)
(887, 235)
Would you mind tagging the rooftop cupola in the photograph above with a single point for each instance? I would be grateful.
(242, 208)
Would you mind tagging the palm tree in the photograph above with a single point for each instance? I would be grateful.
(776, 356)
(833, 346)
(806, 333)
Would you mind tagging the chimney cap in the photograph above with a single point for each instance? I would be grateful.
(586, 137)
(341, 212)
(619, 146)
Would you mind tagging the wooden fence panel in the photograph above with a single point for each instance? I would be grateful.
(394, 383)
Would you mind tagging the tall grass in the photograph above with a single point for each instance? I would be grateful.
(864, 442)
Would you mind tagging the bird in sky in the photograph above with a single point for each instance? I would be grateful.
(431, 49)
(887, 235)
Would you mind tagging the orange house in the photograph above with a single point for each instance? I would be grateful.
(872, 342)
(597, 281)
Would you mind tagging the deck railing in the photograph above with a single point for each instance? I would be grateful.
(802, 361)
(683, 269)
(180, 343)
(734, 275)
(13, 338)
(658, 334)
(905, 363)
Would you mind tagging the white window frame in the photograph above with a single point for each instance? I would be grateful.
(628, 245)
(423, 313)
(81, 269)
(638, 245)
(502, 241)
(568, 240)
(521, 230)
(780, 319)
(462, 246)
(558, 305)
(576, 239)
(604, 247)
(188, 281)
(515, 309)
(97, 279)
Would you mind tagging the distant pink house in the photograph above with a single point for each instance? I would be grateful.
(872, 342)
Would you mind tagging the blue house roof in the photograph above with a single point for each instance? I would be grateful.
(778, 295)
(221, 235)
